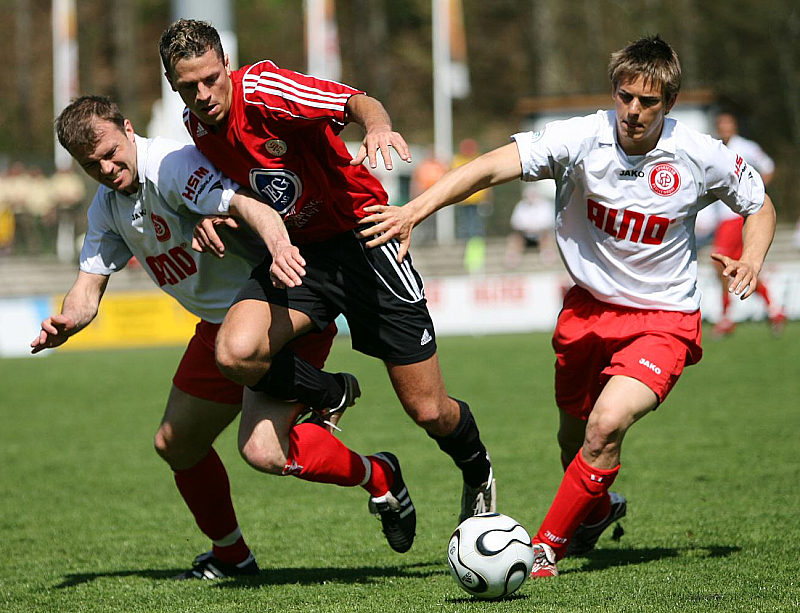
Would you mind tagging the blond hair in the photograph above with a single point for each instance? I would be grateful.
(188, 38)
(650, 58)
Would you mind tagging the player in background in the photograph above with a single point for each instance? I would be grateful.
(728, 231)
(630, 182)
(277, 131)
(152, 193)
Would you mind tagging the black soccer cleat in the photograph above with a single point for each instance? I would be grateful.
(395, 509)
(586, 537)
(208, 566)
(329, 417)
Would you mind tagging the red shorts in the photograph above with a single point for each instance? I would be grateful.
(595, 340)
(728, 238)
(198, 375)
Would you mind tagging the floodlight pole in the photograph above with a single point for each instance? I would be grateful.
(442, 108)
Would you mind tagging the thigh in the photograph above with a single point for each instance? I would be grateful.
(190, 425)
(199, 376)
(260, 329)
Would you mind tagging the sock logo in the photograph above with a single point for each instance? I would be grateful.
(291, 468)
(426, 337)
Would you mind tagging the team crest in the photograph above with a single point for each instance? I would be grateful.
(280, 187)
(664, 179)
(276, 147)
(160, 226)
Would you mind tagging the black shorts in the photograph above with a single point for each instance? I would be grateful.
(383, 301)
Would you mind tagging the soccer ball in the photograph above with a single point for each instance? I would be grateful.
(490, 555)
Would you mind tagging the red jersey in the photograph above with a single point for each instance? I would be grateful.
(281, 139)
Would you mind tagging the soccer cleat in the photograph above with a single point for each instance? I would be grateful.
(395, 509)
(724, 327)
(481, 499)
(544, 561)
(329, 418)
(208, 566)
(777, 323)
(585, 537)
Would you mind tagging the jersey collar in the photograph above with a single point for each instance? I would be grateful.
(665, 144)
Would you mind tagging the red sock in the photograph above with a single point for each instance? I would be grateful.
(762, 291)
(601, 508)
(726, 301)
(206, 490)
(317, 455)
(580, 490)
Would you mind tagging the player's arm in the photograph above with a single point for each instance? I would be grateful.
(77, 311)
(370, 115)
(490, 169)
(288, 266)
(757, 235)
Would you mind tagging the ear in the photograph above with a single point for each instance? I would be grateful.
(129, 132)
(227, 63)
(671, 103)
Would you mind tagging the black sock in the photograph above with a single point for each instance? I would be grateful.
(291, 378)
(465, 447)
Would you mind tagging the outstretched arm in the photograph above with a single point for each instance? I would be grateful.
(757, 234)
(288, 266)
(370, 115)
(490, 169)
(79, 308)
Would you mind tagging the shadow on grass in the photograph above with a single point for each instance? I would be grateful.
(276, 576)
(600, 559)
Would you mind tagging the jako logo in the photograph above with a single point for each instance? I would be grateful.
(650, 365)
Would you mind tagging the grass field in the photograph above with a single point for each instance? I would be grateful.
(90, 520)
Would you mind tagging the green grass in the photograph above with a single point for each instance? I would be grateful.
(90, 520)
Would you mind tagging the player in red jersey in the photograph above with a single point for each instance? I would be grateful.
(277, 131)
(152, 191)
(628, 193)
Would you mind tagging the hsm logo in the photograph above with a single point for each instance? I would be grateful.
(633, 226)
(190, 191)
(171, 267)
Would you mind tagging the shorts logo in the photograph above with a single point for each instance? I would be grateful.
(279, 186)
(276, 147)
(160, 226)
(664, 179)
(426, 337)
(650, 365)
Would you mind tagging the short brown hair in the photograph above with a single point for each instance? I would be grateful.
(76, 124)
(651, 58)
(188, 38)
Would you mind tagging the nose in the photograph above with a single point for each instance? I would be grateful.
(635, 107)
(203, 92)
(106, 167)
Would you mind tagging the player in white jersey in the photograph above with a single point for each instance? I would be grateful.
(629, 185)
(728, 224)
(153, 193)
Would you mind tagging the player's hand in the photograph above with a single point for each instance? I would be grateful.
(55, 331)
(743, 275)
(381, 139)
(388, 222)
(205, 238)
(288, 266)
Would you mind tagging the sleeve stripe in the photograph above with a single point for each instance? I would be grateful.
(297, 85)
(337, 105)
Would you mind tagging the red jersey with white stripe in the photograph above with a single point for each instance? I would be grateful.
(625, 224)
(281, 139)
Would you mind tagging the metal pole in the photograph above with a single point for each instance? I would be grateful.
(442, 108)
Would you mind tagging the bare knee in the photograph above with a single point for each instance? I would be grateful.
(436, 417)
(176, 450)
(241, 359)
(604, 434)
(263, 457)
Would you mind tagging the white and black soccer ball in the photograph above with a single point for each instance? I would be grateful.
(490, 555)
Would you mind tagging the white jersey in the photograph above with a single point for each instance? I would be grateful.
(625, 224)
(177, 185)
